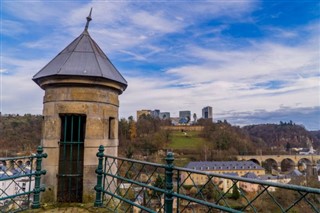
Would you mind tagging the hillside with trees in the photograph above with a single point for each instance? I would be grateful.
(223, 140)
(286, 135)
(19, 134)
(146, 137)
(217, 141)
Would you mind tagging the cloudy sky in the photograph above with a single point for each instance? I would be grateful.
(252, 61)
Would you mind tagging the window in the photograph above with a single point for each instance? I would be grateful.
(112, 125)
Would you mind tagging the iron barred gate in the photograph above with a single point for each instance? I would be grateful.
(71, 154)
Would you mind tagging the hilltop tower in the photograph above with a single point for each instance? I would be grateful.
(207, 112)
(80, 112)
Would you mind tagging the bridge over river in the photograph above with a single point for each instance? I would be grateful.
(283, 162)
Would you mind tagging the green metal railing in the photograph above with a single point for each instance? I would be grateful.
(127, 185)
(20, 182)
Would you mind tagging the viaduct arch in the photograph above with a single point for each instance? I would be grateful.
(23, 163)
(282, 162)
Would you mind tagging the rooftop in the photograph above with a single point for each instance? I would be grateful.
(223, 165)
(250, 175)
(82, 57)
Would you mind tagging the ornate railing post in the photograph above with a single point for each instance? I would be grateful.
(99, 172)
(169, 184)
(178, 189)
(38, 173)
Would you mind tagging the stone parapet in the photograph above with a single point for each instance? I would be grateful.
(80, 94)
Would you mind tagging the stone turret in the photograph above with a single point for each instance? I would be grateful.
(80, 112)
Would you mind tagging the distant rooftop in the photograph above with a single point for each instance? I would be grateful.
(223, 165)
(295, 173)
(82, 57)
(250, 175)
(273, 177)
(231, 174)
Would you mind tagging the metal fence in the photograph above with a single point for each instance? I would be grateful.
(20, 182)
(126, 185)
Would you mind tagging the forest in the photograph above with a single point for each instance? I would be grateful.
(217, 141)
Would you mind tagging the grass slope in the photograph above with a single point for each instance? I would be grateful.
(186, 146)
(185, 140)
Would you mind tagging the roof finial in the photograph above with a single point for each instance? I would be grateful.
(88, 20)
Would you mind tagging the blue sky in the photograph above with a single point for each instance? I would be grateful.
(252, 61)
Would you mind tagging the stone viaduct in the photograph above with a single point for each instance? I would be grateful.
(278, 162)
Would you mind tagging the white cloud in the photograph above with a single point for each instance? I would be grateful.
(223, 96)
(229, 81)
(155, 22)
(258, 63)
(12, 28)
(37, 11)
(135, 56)
(20, 94)
(219, 71)
(281, 33)
(306, 116)
(228, 10)
(114, 39)
(103, 13)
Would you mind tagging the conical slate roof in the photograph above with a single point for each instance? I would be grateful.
(82, 57)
